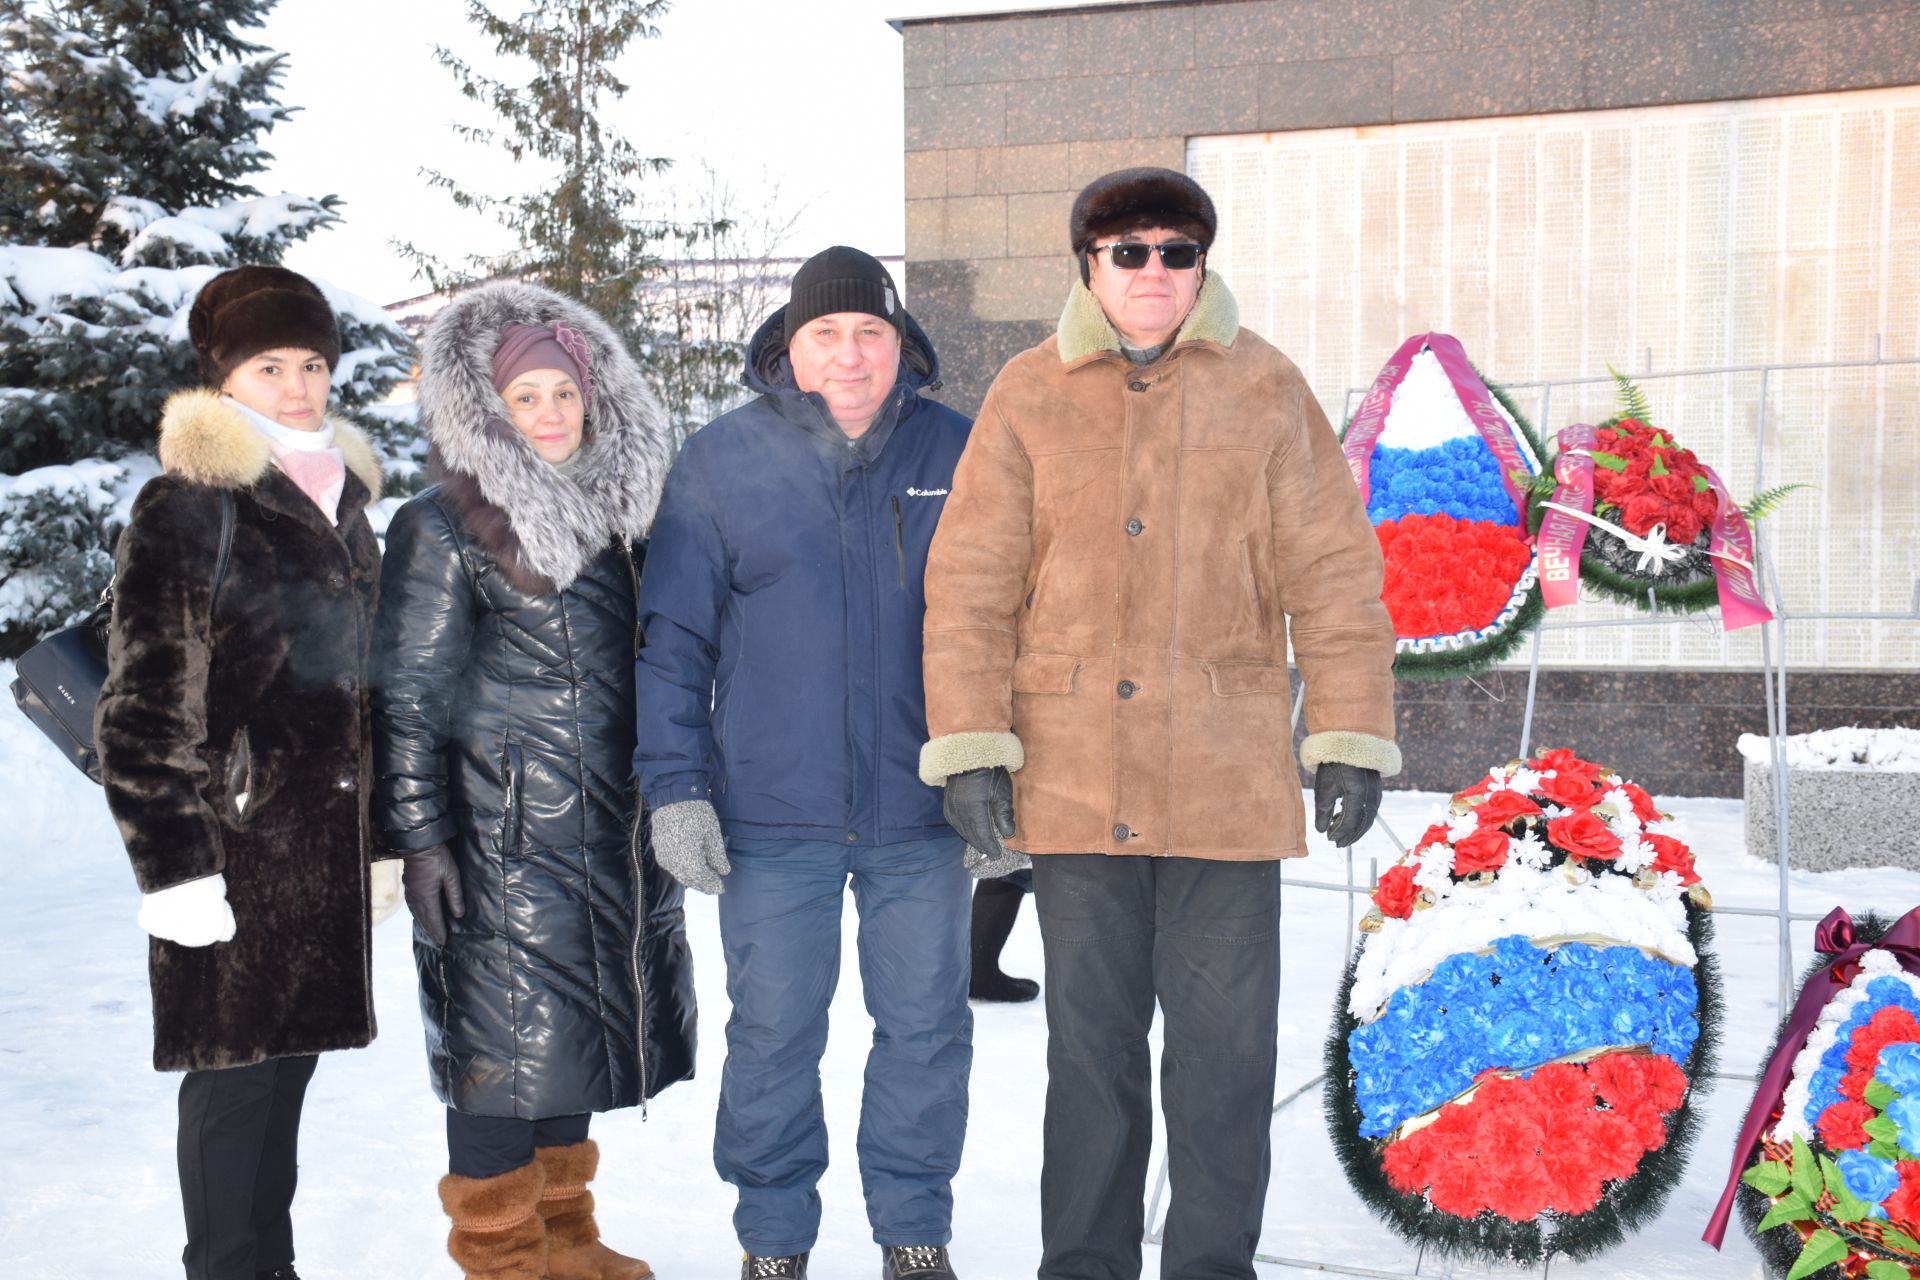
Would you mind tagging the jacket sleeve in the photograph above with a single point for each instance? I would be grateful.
(976, 576)
(150, 724)
(1331, 573)
(421, 638)
(683, 595)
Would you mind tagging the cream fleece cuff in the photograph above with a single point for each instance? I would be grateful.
(958, 752)
(1341, 746)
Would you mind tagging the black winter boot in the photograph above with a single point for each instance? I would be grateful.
(794, 1268)
(915, 1262)
(995, 906)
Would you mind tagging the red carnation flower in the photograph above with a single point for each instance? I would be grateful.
(1584, 836)
(1484, 850)
(1903, 1206)
(1640, 513)
(1396, 893)
(1839, 1125)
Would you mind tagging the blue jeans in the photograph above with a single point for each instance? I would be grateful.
(780, 930)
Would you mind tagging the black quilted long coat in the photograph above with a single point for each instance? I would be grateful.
(504, 728)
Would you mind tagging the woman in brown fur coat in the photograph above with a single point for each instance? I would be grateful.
(233, 731)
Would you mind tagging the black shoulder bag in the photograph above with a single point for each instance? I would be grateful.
(57, 682)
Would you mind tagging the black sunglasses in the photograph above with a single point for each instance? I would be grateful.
(1131, 255)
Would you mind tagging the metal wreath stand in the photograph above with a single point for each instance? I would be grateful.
(1773, 666)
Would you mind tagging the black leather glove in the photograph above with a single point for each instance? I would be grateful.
(431, 883)
(979, 807)
(1358, 792)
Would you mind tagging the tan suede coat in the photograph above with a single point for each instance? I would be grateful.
(1110, 589)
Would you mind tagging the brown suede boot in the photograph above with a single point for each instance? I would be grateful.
(574, 1251)
(497, 1233)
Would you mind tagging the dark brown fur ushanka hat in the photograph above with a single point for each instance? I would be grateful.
(247, 310)
(1136, 199)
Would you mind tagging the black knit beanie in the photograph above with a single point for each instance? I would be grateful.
(242, 312)
(842, 279)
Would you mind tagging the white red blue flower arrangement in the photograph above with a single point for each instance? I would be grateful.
(1826, 1169)
(1445, 464)
(1522, 1035)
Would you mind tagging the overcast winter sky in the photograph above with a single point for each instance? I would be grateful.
(802, 95)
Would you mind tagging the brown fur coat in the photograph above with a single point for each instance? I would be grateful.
(235, 740)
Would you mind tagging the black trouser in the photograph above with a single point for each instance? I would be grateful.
(1204, 937)
(488, 1146)
(239, 1151)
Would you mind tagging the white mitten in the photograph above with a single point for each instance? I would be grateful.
(194, 914)
(384, 896)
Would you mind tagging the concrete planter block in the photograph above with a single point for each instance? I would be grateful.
(1836, 817)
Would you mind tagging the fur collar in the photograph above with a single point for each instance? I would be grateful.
(1085, 331)
(540, 521)
(204, 439)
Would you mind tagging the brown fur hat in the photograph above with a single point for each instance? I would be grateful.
(1135, 199)
(242, 312)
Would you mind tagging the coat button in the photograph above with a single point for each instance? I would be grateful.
(1123, 832)
(344, 684)
(1134, 528)
(338, 581)
(1136, 385)
(853, 837)
(1126, 688)
(345, 782)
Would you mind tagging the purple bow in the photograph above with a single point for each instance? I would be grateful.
(1835, 936)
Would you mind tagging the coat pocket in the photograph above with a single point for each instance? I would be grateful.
(240, 774)
(1045, 672)
(512, 779)
(1231, 679)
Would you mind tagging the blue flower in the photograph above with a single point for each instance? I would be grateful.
(1905, 1112)
(1899, 1068)
(1868, 1177)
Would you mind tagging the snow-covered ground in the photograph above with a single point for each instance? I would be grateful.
(86, 1126)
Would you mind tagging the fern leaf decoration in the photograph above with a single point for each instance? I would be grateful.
(1767, 502)
(1631, 399)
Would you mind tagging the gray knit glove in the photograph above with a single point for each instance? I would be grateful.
(991, 866)
(687, 842)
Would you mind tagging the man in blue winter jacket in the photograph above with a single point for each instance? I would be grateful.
(780, 723)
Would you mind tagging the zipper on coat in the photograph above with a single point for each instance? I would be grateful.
(899, 543)
(639, 935)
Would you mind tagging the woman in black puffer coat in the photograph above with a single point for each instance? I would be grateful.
(555, 978)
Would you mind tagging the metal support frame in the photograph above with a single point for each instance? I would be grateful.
(1774, 692)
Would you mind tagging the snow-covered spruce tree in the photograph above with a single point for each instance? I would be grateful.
(128, 132)
(573, 216)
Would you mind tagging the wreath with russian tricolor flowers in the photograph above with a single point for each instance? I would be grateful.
(1828, 1161)
(1445, 464)
(1524, 1029)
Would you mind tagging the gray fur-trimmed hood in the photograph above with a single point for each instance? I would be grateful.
(555, 525)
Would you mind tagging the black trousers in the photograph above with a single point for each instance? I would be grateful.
(488, 1146)
(1204, 938)
(239, 1151)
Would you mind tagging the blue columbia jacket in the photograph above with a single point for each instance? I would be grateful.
(781, 605)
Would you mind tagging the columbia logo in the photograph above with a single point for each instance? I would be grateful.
(927, 493)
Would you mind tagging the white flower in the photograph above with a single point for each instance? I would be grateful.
(1668, 827)
(1460, 827)
(1622, 805)
(1667, 885)
(1529, 850)
(1553, 811)
(1635, 853)
(1525, 780)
